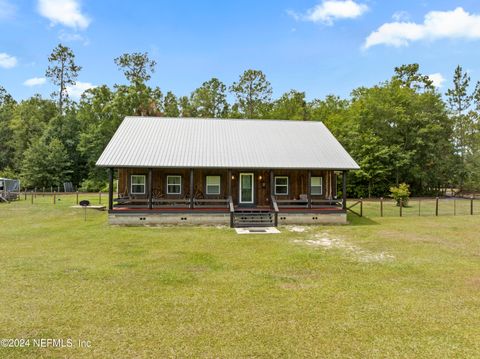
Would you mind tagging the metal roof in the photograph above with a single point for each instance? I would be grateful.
(161, 142)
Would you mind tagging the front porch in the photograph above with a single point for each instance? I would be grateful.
(230, 197)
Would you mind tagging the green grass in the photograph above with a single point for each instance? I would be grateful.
(207, 292)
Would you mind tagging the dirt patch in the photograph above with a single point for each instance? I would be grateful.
(297, 286)
(323, 240)
(474, 282)
(298, 229)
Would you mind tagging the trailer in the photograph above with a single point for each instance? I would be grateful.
(9, 189)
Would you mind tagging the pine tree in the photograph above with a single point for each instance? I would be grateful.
(62, 71)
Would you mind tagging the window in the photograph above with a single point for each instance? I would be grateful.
(213, 184)
(137, 184)
(281, 185)
(316, 186)
(174, 184)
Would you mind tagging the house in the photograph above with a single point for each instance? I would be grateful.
(223, 171)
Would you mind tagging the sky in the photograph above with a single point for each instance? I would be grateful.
(318, 46)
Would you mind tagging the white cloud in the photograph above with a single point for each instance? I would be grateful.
(35, 81)
(437, 79)
(437, 25)
(7, 10)
(330, 10)
(71, 37)
(78, 89)
(7, 61)
(65, 12)
(401, 16)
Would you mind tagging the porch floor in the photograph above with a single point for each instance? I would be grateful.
(172, 209)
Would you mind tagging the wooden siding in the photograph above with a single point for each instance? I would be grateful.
(297, 181)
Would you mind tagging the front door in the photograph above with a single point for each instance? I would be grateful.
(246, 188)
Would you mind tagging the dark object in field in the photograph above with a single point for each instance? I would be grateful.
(84, 203)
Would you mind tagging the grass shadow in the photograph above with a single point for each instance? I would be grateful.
(361, 221)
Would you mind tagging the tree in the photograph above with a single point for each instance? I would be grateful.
(5, 97)
(210, 100)
(98, 119)
(29, 122)
(410, 130)
(460, 101)
(410, 76)
(290, 106)
(66, 128)
(186, 108)
(138, 100)
(253, 93)
(62, 72)
(7, 108)
(45, 164)
(170, 105)
(100, 112)
(137, 67)
(458, 98)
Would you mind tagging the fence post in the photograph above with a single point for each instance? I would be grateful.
(54, 197)
(401, 207)
(361, 207)
(436, 206)
(100, 197)
(32, 197)
(454, 207)
(381, 206)
(471, 206)
(77, 197)
(25, 190)
(419, 206)
(43, 194)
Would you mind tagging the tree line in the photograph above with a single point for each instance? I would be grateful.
(402, 130)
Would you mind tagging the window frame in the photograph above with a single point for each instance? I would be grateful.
(138, 184)
(176, 184)
(213, 185)
(281, 185)
(316, 186)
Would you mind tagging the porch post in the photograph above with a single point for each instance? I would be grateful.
(110, 189)
(191, 188)
(229, 183)
(344, 190)
(150, 181)
(272, 183)
(334, 185)
(309, 189)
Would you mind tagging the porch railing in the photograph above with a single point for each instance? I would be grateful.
(274, 207)
(173, 202)
(315, 203)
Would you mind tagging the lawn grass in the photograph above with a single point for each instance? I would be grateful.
(207, 292)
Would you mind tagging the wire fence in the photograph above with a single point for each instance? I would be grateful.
(387, 207)
(378, 207)
(70, 198)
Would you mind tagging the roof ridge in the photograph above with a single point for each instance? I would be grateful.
(226, 119)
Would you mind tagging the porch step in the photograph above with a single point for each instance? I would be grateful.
(253, 219)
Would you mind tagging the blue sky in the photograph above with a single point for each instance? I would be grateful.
(320, 47)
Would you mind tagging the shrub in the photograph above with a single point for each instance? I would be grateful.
(91, 185)
(400, 192)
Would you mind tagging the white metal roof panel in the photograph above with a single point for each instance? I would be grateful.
(223, 143)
